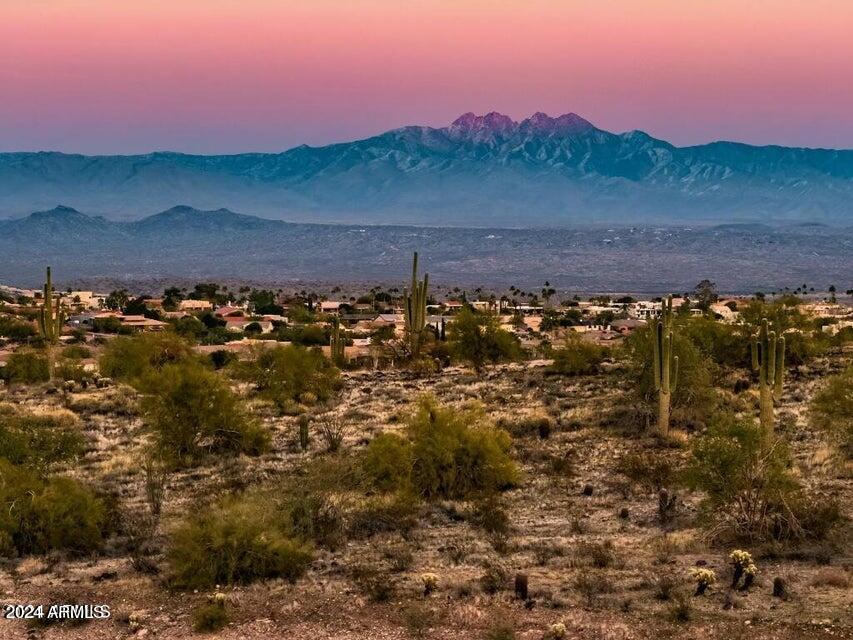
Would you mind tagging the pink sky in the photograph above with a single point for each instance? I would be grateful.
(222, 76)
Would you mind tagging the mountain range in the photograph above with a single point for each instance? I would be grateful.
(186, 243)
(480, 171)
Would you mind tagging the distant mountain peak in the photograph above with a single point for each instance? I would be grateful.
(566, 123)
(493, 121)
(539, 123)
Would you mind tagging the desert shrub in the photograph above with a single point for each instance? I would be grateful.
(749, 488)
(832, 409)
(193, 411)
(384, 513)
(577, 356)
(387, 462)
(333, 430)
(457, 452)
(694, 398)
(802, 339)
(25, 367)
(478, 339)
(723, 344)
(68, 370)
(76, 352)
(375, 584)
(210, 616)
(652, 470)
(38, 440)
(449, 453)
(38, 515)
(291, 374)
(236, 541)
(490, 515)
(500, 630)
(130, 358)
(221, 358)
(15, 329)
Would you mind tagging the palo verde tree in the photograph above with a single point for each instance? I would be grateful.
(664, 364)
(50, 320)
(415, 309)
(768, 359)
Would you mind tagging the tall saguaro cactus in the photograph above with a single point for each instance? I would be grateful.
(768, 359)
(50, 321)
(336, 343)
(664, 364)
(415, 308)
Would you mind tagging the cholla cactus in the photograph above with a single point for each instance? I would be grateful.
(743, 566)
(556, 631)
(217, 597)
(768, 359)
(430, 582)
(704, 578)
(664, 364)
(414, 308)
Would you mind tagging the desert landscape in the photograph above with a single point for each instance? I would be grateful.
(520, 488)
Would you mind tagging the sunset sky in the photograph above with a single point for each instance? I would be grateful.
(224, 76)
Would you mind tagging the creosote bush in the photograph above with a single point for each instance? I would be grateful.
(38, 515)
(235, 541)
(25, 367)
(38, 441)
(291, 375)
(749, 488)
(131, 358)
(447, 453)
(577, 356)
(832, 410)
(193, 411)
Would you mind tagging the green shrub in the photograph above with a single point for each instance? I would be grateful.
(457, 452)
(130, 358)
(25, 367)
(210, 616)
(832, 409)
(650, 469)
(70, 371)
(237, 541)
(723, 344)
(750, 492)
(76, 352)
(193, 411)
(577, 356)
(38, 441)
(37, 516)
(387, 462)
(16, 330)
(285, 375)
(478, 339)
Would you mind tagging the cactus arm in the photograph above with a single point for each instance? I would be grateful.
(656, 340)
(780, 368)
(674, 382)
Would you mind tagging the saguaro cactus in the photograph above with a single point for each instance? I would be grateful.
(50, 321)
(664, 364)
(415, 308)
(768, 359)
(337, 343)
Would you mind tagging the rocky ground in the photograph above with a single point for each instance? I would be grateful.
(600, 564)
